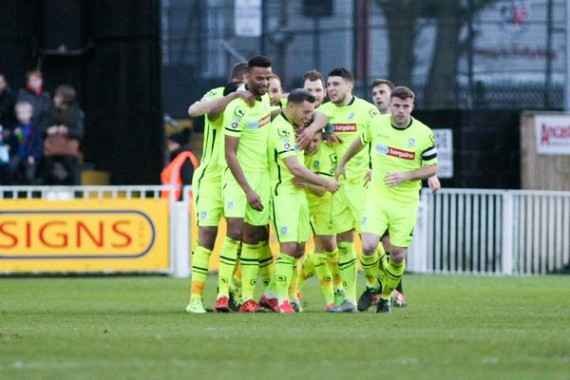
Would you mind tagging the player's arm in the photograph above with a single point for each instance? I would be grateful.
(320, 120)
(396, 178)
(298, 170)
(317, 190)
(201, 107)
(356, 146)
(253, 198)
(220, 105)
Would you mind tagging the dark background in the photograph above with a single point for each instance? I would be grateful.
(110, 52)
(112, 56)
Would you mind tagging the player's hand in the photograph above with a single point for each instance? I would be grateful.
(299, 182)
(332, 185)
(367, 178)
(304, 137)
(254, 200)
(340, 171)
(248, 96)
(331, 138)
(434, 184)
(395, 178)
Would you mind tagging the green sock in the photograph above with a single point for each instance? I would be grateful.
(348, 269)
(394, 273)
(369, 266)
(200, 265)
(332, 262)
(266, 267)
(283, 273)
(324, 275)
(294, 283)
(228, 257)
(249, 263)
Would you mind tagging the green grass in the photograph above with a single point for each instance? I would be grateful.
(135, 328)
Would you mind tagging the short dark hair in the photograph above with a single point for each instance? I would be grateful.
(299, 95)
(342, 72)
(67, 93)
(238, 71)
(231, 87)
(258, 61)
(387, 82)
(314, 75)
(403, 93)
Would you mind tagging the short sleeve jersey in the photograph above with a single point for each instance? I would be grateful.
(213, 146)
(324, 163)
(250, 125)
(282, 144)
(398, 150)
(348, 123)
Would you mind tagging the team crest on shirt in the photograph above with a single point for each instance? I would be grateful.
(230, 205)
(239, 112)
(316, 164)
(351, 116)
(411, 141)
(283, 230)
(203, 215)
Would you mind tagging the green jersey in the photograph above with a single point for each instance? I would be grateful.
(324, 163)
(250, 125)
(282, 144)
(348, 123)
(398, 150)
(213, 159)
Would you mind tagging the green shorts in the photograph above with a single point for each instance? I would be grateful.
(398, 218)
(290, 217)
(347, 205)
(208, 206)
(235, 200)
(320, 212)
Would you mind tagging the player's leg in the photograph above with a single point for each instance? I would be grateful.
(208, 211)
(403, 221)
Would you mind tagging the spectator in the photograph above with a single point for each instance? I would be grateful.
(7, 102)
(63, 137)
(26, 147)
(181, 163)
(37, 97)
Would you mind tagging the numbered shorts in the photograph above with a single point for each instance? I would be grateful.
(208, 205)
(290, 217)
(347, 204)
(320, 212)
(398, 218)
(235, 201)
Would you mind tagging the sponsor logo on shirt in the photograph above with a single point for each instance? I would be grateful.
(395, 152)
(344, 127)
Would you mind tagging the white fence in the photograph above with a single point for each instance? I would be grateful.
(492, 232)
(459, 231)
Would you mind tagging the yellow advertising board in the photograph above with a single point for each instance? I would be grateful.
(84, 235)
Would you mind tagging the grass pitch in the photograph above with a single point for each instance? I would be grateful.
(136, 328)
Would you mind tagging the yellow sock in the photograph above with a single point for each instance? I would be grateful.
(324, 275)
(348, 269)
(228, 257)
(369, 266)
(200, 265)
(249, 263)
(294, 283)
(393, 276)
(266, 267)
(332, 262)
(283, 273)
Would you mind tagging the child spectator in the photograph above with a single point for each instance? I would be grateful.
(26, 146)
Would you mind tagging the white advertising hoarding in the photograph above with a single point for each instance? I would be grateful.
(552, 134)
